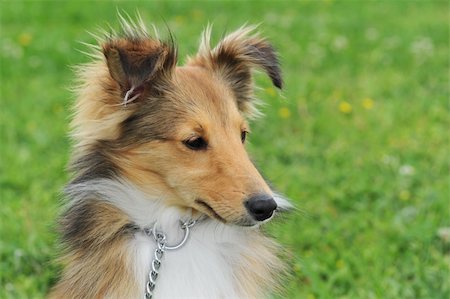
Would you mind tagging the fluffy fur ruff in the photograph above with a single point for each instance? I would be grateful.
(110, 256)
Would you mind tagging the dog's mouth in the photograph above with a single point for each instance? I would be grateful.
(209, 209)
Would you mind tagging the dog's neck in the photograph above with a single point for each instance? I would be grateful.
(218, 260)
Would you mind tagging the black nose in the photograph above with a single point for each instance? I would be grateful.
(261, 206)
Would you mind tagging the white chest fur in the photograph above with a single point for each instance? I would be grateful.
(206, 266)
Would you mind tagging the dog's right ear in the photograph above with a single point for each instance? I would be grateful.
(233, 60)
(139, 65)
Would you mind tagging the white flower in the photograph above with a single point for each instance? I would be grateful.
(371, 34)
(390, 160)
(406, 170)
(340, 42)
(444, 234)
(422, 46)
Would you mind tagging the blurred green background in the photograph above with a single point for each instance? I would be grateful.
(359, 138)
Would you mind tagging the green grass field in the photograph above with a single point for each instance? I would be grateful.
(359, 138)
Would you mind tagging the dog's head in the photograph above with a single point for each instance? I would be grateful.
(179, 132)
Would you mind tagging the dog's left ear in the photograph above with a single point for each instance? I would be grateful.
(233, 60)
(138, 64)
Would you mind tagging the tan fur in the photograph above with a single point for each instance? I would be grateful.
(96, 113)
(96, 270)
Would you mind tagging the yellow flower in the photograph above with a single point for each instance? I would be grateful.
(345, 107)
(180, 20)
(404, 195)
(367, 103)
(340, 264)
(284, 112)
(270, 91)
(31, 126)
(197, 14)
(25, 39)
(57, 109)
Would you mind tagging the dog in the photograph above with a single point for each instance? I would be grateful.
(165, 201)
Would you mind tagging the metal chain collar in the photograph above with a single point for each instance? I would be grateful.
(161, 247)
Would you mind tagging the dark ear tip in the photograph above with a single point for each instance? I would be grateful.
(278, 83)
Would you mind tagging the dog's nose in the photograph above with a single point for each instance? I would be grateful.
(261, 206)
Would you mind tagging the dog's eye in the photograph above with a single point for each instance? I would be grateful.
(196, 143)
(243, 136)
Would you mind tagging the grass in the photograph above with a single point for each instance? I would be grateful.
(358, 139)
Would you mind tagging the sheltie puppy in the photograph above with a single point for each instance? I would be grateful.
(156, 145)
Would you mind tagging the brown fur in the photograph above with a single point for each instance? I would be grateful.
(144, 142)
(97, 261)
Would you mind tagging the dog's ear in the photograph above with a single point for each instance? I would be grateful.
(138, 65)
(233, 60)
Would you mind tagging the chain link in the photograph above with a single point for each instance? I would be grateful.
(161, 247)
